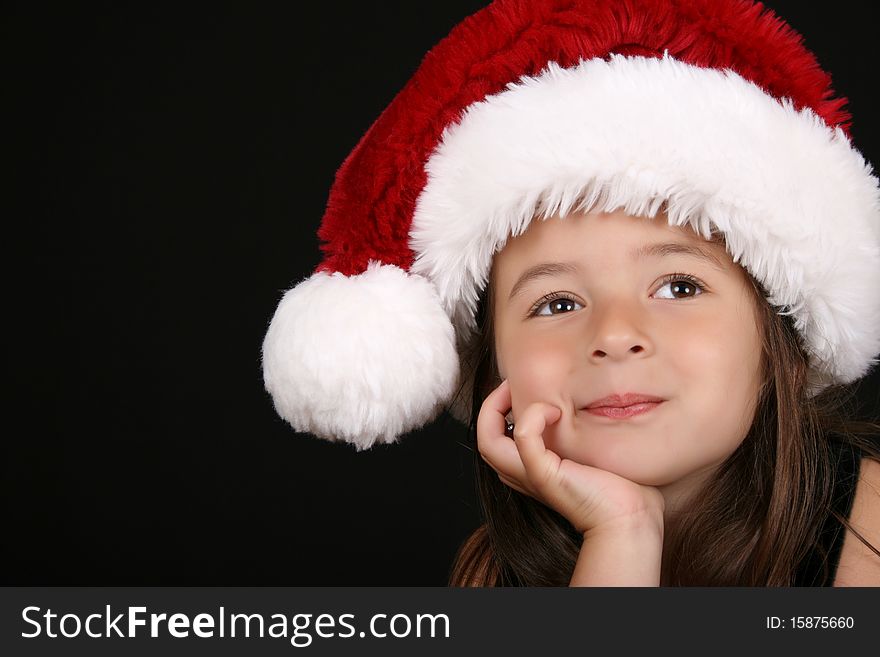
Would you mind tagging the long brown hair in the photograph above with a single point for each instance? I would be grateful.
(752, 524)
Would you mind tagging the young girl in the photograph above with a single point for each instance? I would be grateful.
(672, 492)
(630, 244)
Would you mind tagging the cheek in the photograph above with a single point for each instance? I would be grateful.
(725, 405)
(537, 369)
(715, 357)
(716, 386)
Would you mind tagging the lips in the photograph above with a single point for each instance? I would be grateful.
(623, 412)
(624, 400)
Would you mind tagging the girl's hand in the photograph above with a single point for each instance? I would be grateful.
(587, 497)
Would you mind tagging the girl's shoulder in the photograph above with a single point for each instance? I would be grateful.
(859, 564)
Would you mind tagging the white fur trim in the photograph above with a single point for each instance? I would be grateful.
(360, 359)
(798, 204)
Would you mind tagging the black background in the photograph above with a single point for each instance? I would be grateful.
(169, 168)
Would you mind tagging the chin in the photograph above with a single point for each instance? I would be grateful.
(646, 472)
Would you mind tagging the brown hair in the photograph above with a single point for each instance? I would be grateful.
(784, 463)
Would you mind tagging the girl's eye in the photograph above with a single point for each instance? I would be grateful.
(683, 284)
(554, 301)
(559, 302)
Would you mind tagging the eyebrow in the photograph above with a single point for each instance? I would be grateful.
(658, 250)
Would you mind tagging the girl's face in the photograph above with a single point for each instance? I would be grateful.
(620, 325)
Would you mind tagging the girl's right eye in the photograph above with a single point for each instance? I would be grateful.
(554, 300)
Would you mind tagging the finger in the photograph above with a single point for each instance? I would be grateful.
(499, 451)
(541, 464)
(501, 454)
(495, 408)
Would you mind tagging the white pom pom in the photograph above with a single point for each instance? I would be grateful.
(360, 359)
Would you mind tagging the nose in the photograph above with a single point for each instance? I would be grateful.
(618, 335)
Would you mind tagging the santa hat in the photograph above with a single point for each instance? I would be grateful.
(710, 109)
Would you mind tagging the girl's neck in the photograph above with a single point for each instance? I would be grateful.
(677, 496)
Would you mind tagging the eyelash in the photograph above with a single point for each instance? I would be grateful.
(553, 296)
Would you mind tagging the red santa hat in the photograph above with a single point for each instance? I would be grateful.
(712, 110)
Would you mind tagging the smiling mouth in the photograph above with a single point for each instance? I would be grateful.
(623, 412)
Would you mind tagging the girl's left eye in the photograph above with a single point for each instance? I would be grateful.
(690, 284)
(560, 300)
